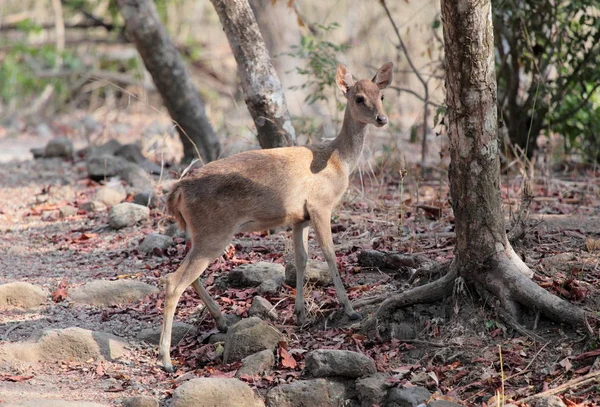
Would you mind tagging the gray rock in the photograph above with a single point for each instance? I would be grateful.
(21, 295)
(93, 206)
(308, 393)
(59, 147)
(372, 389)
(91, 125)
(249, 336)
(332, 362)
(55, 345)
(106, 293)
(52, 403)
(61, 193)
(444, 403)
(256, 364)
(179, 331)
(38, 152)
(173, 230)
(137, 179)
(407, 397)
(218, 337)
(109, 148)
(316, 272)
(156, 240)
(67, 211)
(252, 275)
(132, 153)
(215, 392)
(111, 195)
(140, 401)
(104, 166)
(261, 307)
(145, 198)
(549, 401)
(127, 214)
(271, 286)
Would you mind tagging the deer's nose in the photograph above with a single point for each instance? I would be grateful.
(382, 119)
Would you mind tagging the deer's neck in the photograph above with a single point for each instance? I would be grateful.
(349, 143)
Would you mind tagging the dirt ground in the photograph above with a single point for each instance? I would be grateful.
(460, 347)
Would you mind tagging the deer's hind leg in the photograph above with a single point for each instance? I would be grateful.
(203, 252)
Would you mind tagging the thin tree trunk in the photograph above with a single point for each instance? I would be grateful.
(171, 78)
(262, 89)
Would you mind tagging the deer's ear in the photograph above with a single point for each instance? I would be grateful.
(383, 77)
(344, 79)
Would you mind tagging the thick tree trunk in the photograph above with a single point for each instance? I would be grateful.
(171, 78)
(262, 89)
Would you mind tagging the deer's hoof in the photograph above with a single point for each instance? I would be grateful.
(300, 318)
(354, 316)
(169, 368)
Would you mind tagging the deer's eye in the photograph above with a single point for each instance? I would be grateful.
(382, 97)
(360, 100)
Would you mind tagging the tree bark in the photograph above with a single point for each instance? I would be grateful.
(171, 78)
(261, 86)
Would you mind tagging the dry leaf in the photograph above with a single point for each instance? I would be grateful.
(60, 294)
(286, 359)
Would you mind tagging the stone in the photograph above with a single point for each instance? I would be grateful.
(308, 393)
(127, 214)
(249, 336)
(145, 198)
(59, 147)
(316, 272)
(52, 403)
(93, 206)
(156, 241)
(67, 211)
(549, 401)
(54, 345)
(109, 148)
(111, 194)
(38, 152)
(101, 167)
(137, 179)
(179, 331)
(106, 293)
(445, 403)
(21, 295)
(132, 153)
(140, 401)
(61, 193)
(256, 364)
(271, 286)
(344, 363)
(372, 389)
(407, 397)
(215, 392)
(252, 275)
(261, 307)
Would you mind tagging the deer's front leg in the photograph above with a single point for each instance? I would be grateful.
(300, 237)
(321, 221)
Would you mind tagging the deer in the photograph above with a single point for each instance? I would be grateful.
(264, 189)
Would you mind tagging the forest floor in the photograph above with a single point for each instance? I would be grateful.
(459, 351)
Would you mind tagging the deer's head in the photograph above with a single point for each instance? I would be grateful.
(364, 96)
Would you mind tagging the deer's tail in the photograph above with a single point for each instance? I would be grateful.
(173, 202)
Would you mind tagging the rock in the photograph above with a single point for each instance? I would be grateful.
(91, 125)
(137, 179)
(256, 364)
(261, 307)
(59, 147)
(179, 331)
(104, 166)
(444, 403)
(252, 275)
(93, 206)
(271, 286)
(217, 337)
(127, 214)
(132, 153)
(345, 363)
(372, 389)
(407, 397)
(111, 194)
(140, 401)
(67, 211)
(38, 152)
(21, 295)
(316, 272)
(61, 193)
(249, 336)
(109, 148)
(145, 198)
(54, 345)
(215, 392)
(52, 403)
(155, 240)
(549, 401)
(173, 230)
(308, 393)
(106, 293)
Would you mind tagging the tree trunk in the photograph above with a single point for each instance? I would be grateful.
(261, 86)
(171, 78)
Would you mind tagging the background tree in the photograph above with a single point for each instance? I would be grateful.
(483, 254)
(262, 89)
(172, 79)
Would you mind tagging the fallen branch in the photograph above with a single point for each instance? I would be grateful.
(571, 384)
